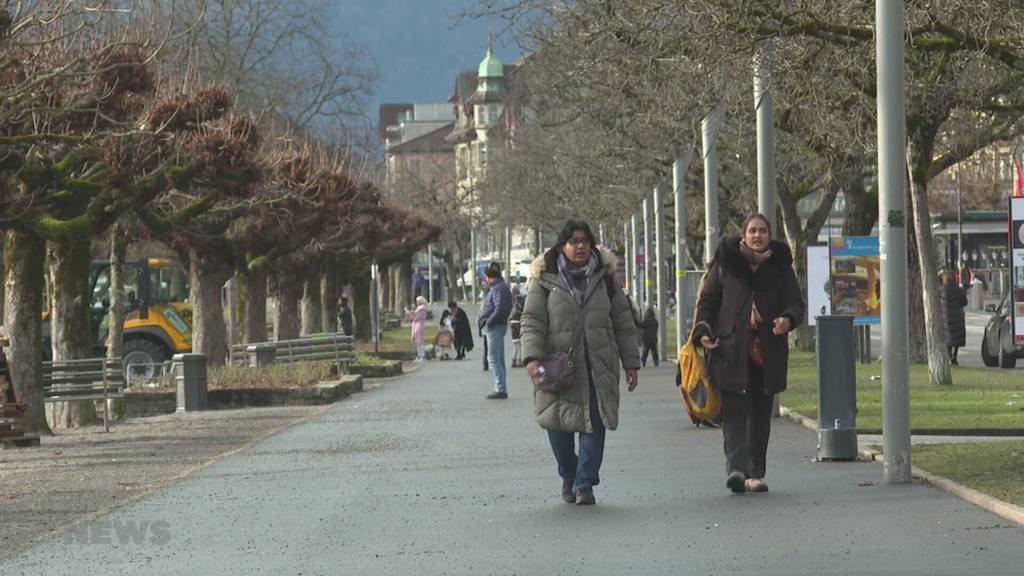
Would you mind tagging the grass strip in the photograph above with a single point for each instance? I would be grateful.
(978, 398)
(990, 467)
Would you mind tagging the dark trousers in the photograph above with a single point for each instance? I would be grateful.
(746, 426)
(653, 349)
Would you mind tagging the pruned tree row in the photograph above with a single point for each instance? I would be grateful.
(103, 136)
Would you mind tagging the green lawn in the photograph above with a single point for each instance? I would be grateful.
(991, 467)
(397, 339)
(977, 399)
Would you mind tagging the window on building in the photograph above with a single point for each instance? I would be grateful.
(483, 154)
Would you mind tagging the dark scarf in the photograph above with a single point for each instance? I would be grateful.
(576, 278)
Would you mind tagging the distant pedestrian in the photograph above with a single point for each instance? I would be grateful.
(418, 282)
(463, 330)
(649, 338)
(954, 298)
(344, 316)
(515, 326)
(574, 283)
(417, 318)
(494, 322)
(750, 301)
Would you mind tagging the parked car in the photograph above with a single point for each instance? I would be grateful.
(997, 346)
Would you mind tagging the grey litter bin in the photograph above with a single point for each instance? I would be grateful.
(837, 389)
(190, 377)
(261, 354)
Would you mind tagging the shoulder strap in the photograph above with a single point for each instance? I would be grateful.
(700, 291)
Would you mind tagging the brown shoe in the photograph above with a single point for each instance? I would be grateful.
(567, 494)
(755, 485)
(736, 482)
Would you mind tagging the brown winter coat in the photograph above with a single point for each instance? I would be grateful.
(723, 312)
(609, 339)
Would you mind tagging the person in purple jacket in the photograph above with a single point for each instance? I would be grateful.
(494, 321)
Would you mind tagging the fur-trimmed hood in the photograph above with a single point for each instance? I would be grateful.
(547, 262)
(728, 255)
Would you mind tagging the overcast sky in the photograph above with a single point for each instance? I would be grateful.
(416, 46)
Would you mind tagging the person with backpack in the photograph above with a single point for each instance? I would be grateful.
(574, 304)
(749, 302)
(649, 337)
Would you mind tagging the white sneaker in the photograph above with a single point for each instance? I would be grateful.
(419, 360)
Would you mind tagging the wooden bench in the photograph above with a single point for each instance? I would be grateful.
(85, 379)
(336, 348)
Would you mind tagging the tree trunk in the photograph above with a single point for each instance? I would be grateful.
(938, 352)
(384, 292)
(329, 293)
(70, 331)
(209, 332)
(3, 285)
(861, 207)
(118, 247)
(256, 306)
(286, 314)
(24, 257)
(359, 299)
(311, 305)
(404, 289)
(451, 292)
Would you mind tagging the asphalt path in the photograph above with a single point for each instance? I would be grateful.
(423, 476)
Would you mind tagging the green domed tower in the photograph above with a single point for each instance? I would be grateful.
(491, 73)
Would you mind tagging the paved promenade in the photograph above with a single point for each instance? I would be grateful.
(423, 476)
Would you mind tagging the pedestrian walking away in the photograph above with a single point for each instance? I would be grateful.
(954, 298)
(515, 326)
(463, 330)
(749, 303)
(344, 316)
(493, 321)
(649, 337)
(574, 282)
(417, 318)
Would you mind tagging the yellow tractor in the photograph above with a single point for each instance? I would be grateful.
(158, 315)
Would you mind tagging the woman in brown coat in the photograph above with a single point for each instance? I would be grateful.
(751, 300)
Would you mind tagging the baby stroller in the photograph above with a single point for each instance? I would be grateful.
(444, 342)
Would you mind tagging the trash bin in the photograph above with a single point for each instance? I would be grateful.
(261, 354)
(190, 377)
(837, 389)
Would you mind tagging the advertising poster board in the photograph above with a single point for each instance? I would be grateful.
(1016, 214)
(819, 302)
(856, 287)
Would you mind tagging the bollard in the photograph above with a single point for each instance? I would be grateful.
(261, 354)
(837, 390)
(190, 377)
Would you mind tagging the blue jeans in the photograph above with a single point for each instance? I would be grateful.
(496, 356)
(582, 470)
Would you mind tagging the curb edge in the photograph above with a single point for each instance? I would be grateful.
(999, 507)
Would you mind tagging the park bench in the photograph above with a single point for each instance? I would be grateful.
(336, 348)
(13, 414)
(85, 379)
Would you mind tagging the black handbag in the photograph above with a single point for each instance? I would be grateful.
(556, 373)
